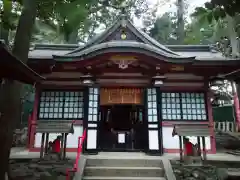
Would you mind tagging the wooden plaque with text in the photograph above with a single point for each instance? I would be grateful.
(120, 96)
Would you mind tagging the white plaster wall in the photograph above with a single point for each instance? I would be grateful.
(153, 140)
(72, 139)
(170, 142)
(92, 139)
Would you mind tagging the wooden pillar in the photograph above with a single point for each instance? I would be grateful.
(181, 148)
(46, 143)
(199, 146)
(62, 145)
(132, 137)
(42, 146)
(65, 145)
(204, 149)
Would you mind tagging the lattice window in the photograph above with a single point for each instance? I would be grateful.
(93, 104)
(152, 105)
(73, 105)
(171, 106)
(193, 106)
(61, 105)
(183, 106)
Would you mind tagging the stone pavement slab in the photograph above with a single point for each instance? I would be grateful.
(25, 154)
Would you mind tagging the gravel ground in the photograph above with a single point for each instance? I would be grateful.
(210, 170)
(34, 169)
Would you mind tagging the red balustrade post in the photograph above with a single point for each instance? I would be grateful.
(79, 150)
(29, 129)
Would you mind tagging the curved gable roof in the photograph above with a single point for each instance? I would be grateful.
(120, 22)
(146, 43)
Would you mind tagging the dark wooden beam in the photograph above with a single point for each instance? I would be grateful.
(125, 77)
(42, 146)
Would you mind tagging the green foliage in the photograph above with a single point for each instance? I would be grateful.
(219, 8)
(164, 29)
(204, 32)
(231, 7)
(208, 13)
(82, 17)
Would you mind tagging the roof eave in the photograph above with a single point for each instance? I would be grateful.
(20, 67)
(115, 47)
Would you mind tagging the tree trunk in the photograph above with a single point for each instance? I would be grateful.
(11, 90)
(24, 30)
(232, 35)
(73, 37)
(180, 21)
(9, 94)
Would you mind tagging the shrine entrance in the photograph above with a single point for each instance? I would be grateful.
(121, 120)
(121, 128)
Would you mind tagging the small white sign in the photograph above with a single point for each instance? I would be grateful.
(121, 138)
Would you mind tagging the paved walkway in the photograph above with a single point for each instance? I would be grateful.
(17, 149)
(24, 153)
(132, 155)
(211, 157)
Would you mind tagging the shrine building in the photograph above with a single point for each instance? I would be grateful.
(126, 89)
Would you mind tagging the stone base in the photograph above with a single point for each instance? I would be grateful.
(193, 160)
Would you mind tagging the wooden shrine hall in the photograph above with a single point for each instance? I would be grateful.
(126, 89)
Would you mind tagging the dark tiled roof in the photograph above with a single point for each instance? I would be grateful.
(200, 53)
(65, 47)
(191, 48)
(191, 130)
(13, 68)
(54, 126)
(127, 46)
(203, 53)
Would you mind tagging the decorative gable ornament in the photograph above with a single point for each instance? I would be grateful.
(123, 35)
(123, 61)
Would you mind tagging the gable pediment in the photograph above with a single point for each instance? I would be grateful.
(124, 34)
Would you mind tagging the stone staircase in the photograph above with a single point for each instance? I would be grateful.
(127, 169)
(226, 140)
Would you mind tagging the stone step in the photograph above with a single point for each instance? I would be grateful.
(124, 162)
(124, 171)
(121, 178)
(224, 140)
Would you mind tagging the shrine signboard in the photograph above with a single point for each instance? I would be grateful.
(120, 96)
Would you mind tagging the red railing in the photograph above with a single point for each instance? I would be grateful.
(79, 151)
(30, 124)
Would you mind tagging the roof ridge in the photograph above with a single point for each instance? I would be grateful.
(122, 20)
(55, 46)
